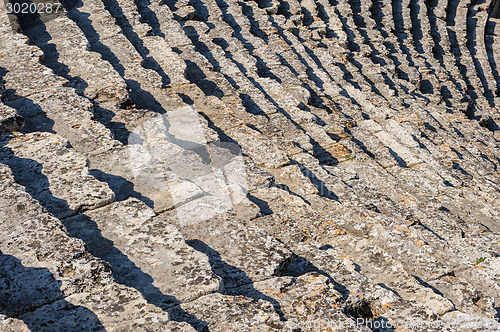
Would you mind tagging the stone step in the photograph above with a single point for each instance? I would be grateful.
(50, 279)
(145, 254)
(45, 165)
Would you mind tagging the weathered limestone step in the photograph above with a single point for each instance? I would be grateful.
(10, 120)
(111, 308)
(30, 237)
(382, 268)
(402, 154)
(234, 313)
(309, 301)
(255, 143)
(145, 254)
(41, 99)
(54, 174)
(239, 253)
(66, 53)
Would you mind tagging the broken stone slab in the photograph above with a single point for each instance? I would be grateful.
(62, 111)
(145, 252)
(10, 120)
(53, 173)
(240, 253)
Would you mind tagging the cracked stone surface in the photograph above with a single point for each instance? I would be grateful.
(233, 165)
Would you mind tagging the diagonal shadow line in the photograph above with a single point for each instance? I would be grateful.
(225, 271)
(316, 182)
(141, 98)
(88, 231)
(451, 12)
(121, 20)
(40, 288)
(25, 107)
(489, 42)
(38, 35)
(313, 77)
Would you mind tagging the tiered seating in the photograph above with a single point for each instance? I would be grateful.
(369, 134)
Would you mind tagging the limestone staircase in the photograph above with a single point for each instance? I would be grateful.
(370, 136)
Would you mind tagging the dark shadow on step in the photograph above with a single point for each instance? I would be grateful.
(233, 277)
(196, 75)
(401, 162)
(33, 115)
(34, 296)
(300, 266)
(28, 172)
(451, 13)
(472, 35)
(321, 186)
(121, 20)
(491, 26)
(264, 207)
(121, 187)
(39, 36)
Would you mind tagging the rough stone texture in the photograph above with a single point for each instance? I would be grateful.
(369, 140)
(159, 263)
(49, 281)
(10, 120)
(54, 174)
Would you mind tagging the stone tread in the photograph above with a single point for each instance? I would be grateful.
(370, 141)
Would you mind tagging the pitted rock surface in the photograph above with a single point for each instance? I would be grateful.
(362, 187)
